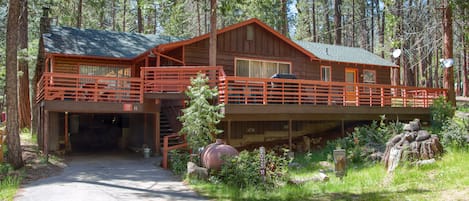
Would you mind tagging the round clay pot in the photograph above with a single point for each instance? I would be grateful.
(211, 156)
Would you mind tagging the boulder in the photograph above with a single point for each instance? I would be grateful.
(194, 171)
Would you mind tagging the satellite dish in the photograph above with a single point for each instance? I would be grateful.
(448, 62)
(396, 53)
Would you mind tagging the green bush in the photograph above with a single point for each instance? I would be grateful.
(365, 140)
(178, 161)
(454, 133)
(441, 111)
(243, 171)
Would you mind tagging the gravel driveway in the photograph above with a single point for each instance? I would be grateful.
(108, 177)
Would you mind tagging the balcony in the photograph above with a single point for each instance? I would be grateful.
(232, 89)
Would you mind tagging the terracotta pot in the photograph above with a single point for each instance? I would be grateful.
(212, 155)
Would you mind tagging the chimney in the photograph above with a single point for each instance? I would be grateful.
(45, 20)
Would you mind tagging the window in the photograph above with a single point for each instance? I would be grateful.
(108, 71)
(260, 68)
(369, 76)
(326, 73)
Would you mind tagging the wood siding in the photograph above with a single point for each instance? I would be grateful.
(265, 46)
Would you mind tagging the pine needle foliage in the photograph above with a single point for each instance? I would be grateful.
(200, 117)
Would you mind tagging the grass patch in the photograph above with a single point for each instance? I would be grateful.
(363, 182)
(9, 184)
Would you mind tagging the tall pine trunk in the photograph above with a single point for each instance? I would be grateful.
(79, 13)
(213, 33)
(14, 156)
(139, 16)
(24, 106)
(313, 16)
(338, 22)
(328, 23)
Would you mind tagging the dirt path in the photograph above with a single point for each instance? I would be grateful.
(108, 177)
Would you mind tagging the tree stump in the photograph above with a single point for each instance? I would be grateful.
(412, 145)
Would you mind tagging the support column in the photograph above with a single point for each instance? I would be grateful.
(290, 131)
(228, 133)
(342, 126)
(145, 124)
(46, 135)
(67, 147)
(157, 134)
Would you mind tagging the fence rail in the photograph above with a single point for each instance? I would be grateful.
(75, 87)
(243, 90)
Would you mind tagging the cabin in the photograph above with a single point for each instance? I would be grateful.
(105, 89)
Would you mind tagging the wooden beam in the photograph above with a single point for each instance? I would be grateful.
(170, 58)
(228, 138)
(157, 137)
(145, 129)
(46, 135)
(66, 132)
(290, 132)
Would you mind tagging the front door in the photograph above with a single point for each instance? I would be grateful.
(351, 77)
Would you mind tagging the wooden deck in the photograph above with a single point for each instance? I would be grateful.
(172, 81)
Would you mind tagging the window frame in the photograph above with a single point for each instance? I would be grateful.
(365, 72)
(330, 73)
(263, 61)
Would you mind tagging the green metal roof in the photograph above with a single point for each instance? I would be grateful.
(344, 54)
(99, 43)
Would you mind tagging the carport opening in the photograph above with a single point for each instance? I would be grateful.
(97, 132)
(108, 132)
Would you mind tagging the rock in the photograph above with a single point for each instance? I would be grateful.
(415, 125)
(377, 156)
(407, 127)
(307, 143)
(320, 177)
(422, 135)
(294, 165)
(395, 139)
(425, 162)
(194, 171)
(326, 165)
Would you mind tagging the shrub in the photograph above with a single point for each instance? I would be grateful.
(454, 133)
(178, 161)
(244, 170)
(441, 111)
(366, 139)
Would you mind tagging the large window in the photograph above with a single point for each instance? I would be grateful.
(369, 76)
(260, 68)
(108, 71)
(326, 73)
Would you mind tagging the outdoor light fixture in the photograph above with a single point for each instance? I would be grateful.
(396, 53)
(447, 63)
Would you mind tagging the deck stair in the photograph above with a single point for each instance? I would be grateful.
(165, 130)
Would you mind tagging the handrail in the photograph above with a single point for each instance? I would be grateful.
(177, 79)
(167, 148)
(245, 90)
(76, 87)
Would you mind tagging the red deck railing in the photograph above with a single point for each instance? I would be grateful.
(176, 79)
(75, 87)
(232, 90)
(243, 90)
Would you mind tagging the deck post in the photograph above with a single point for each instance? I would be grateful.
(157, 137)
(342, 125)
(145, 129)
(228, 133)
(66, 132)
(46, 134)
(290, 130)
